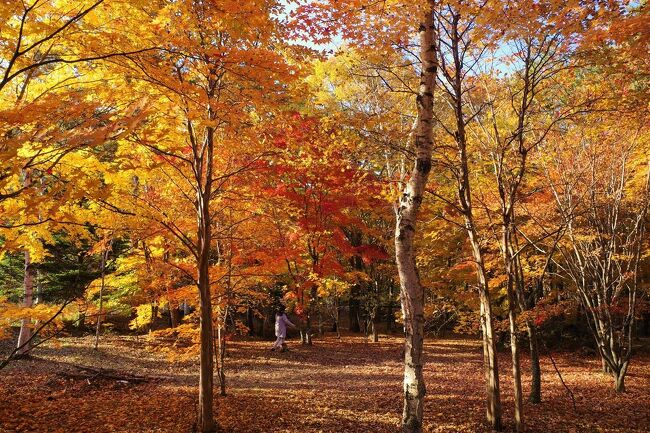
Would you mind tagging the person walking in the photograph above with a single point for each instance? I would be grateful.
(281, 323)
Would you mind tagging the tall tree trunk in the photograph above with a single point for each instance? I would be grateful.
(101, 298)
(412, 292)
(220, 352)
(490, 360)
(204, 235)
(206, 419)
(516, 370)
(508, 258)
(535, 396)
(28, 301)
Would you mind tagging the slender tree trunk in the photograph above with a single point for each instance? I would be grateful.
(512, 319)
(373, 329)
(249, 321)
(320, 324)
(516, 370)
(186, 308)
(353, 315)
(389, 315)
(154, 314)
(337, 319)
(490, 360)
(354, 303)
(307, 338)
(28, 301)
(412, 292)
(101, 299)
(38, 293)
(312, 307)
(220, 352)
(535, 396)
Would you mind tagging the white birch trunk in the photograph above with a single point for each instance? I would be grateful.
(412, 293)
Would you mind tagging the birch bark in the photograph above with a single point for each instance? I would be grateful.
(407, 210)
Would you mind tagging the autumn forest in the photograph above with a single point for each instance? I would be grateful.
(304, 216)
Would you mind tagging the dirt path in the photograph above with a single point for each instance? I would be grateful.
(348, 386)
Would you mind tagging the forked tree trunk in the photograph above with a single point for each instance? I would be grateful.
(28, 301)
(619, 379)
(412, 292)
(604, 365)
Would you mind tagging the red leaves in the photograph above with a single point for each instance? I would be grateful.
(371, 253)
(549, 310)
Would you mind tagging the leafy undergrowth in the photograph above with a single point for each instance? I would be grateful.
(334, 386)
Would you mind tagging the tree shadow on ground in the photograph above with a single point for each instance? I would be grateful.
(333, 386)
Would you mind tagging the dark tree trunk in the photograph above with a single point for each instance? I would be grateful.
(174, 315)
(250, 323)
(373, 331)
(390, 318)
(535, 396)
(203, 168)
(354, 306)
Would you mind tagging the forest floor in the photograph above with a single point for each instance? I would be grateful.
(346, 386)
